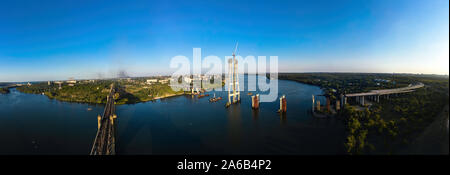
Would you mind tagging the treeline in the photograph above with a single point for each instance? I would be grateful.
(126, 93)
(350, 82)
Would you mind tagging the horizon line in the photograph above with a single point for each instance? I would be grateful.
(343, 72)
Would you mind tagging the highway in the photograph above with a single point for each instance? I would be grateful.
(410, 88)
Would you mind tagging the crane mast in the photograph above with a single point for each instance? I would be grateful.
(233, 80)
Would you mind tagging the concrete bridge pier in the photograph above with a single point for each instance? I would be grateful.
(318, 105)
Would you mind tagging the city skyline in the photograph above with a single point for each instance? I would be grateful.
(55, 40)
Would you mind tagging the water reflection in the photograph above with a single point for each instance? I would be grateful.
(234, 124)
(283, 118)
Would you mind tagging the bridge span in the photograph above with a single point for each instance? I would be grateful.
(105, 140)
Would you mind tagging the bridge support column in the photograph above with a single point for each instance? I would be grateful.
(343, 100)
(111, 118)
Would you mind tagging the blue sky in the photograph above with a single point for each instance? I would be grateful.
(51, 40)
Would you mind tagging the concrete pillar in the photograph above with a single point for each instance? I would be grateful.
(99, 118)
(328, 104)
(318, 105)
(281, 103)
(255, 101)
(313, 103)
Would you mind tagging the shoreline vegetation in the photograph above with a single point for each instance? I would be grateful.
(392, 124)
(129, 91)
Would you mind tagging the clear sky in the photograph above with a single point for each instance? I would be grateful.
(50, 40)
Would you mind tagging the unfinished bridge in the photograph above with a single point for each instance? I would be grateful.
(105, 140)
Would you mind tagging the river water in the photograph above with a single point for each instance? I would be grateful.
(35, 124)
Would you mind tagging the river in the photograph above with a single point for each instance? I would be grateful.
(35, 124)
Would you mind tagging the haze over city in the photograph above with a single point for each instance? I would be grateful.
(54, 40)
